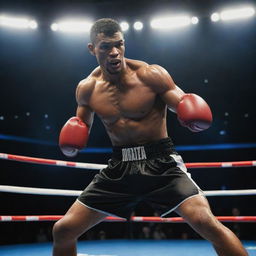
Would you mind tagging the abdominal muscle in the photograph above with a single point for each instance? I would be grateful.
(132, 113)
(127, 131)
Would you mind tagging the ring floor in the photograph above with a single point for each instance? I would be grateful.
(126, 248)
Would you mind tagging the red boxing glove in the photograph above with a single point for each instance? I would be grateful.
(194, 113)
(73, 136)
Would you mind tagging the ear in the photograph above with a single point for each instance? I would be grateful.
(91, 49)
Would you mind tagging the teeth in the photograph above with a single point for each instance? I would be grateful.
(114, 62)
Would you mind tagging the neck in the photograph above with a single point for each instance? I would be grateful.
(115, 78)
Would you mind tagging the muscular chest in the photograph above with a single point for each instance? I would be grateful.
(133, 101)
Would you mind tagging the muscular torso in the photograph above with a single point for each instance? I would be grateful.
(131, 111)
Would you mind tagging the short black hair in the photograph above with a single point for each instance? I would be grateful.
(106, 26)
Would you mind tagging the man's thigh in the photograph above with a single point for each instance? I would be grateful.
(194, 207)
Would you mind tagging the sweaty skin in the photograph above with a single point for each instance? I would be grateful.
(130, 97)
(133, 109)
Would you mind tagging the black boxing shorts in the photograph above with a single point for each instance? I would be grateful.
(153, 172)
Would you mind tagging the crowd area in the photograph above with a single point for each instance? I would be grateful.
(34, 232)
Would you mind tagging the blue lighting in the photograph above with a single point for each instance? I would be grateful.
(109, 150)
(223, 132)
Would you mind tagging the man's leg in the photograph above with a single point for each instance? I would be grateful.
(76, 221)
(196, 211)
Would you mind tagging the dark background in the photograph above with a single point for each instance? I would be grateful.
(39, 71)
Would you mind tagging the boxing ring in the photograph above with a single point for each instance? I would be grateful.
(121, 247)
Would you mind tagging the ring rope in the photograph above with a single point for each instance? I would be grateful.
(35, 160)
(64, 192)
(132, 219)
(90, 166)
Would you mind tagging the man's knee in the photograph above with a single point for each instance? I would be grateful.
(206, 224)
(198, 213)
(203, 217)
(62, 231)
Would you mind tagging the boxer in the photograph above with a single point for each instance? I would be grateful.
(131, 98)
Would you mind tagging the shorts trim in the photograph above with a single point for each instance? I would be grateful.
(179, 161)
(97, 210)
(175, 207)
(180, 164)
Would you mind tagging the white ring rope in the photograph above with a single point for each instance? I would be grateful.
(64, 192)
(39, 191)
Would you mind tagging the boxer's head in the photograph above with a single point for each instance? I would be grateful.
(107, 44)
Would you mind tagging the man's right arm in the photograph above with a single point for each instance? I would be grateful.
(192, 111)
(74, 134)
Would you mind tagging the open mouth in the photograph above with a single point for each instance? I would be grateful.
(115, 63)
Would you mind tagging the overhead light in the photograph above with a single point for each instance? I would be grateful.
(72, 26)
(237, 13)
(124, 26)
(173, 22)
(33, 24)
(138, 25)
(215, 17)
(194, 20)
(54, 27)
(17, 22)
(233, 14)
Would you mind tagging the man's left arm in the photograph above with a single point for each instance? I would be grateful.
(192, 110)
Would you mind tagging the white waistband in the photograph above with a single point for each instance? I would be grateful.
(133, 154)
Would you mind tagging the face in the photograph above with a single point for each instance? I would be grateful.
(109, 52)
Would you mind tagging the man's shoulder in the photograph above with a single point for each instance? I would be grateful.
(146, 70)
(156, 77)
(89, 82)
(154, 69)
(86, 86)
(96, 73)
(135, 64)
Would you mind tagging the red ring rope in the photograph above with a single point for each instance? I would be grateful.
(36, 160)
(133, 219)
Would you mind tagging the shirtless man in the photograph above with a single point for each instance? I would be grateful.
(131, 97)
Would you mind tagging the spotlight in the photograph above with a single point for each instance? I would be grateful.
(215, 17)
(194, 20)
(72, 26)
(233, 14)
(33, 24)
(171, 22)
(124, 26)
(54, 27)
(138, 25)
(237, 13)
(17, 22)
